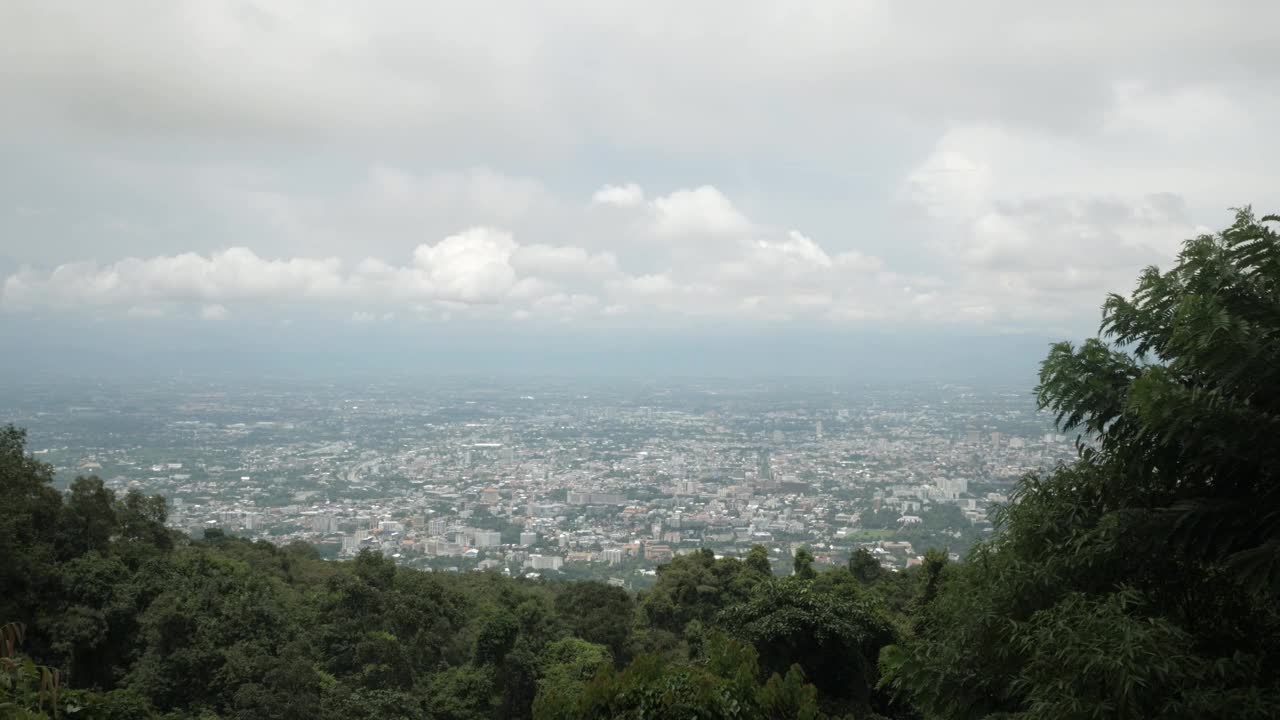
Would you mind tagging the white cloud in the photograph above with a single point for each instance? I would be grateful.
(1005, 258)
(629, 195)
(474, 266)
(470, 267)
(717, 256)
(704, 210)
(1027, 246)
(233, 274)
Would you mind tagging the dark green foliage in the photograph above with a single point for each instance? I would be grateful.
(758, 560)
(1186, 405)
(1140, 581)
(140, 519)
(497, 634)
(598, 613)
(802, 564)
(88, 518)
(565, 665)
(1099, 656)
(834, 635)
(864, 566)
(935, 562)
(462, 692)
(696, 587)
(788, 697)
(723, 685)
(28, 532)
(880, 519)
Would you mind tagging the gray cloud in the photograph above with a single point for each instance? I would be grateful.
(994, 164)
(631, 70)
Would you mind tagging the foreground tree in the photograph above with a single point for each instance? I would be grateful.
(598, 613)
(696, 586)
(28, 530)
(832, 635)
(723, 684)
(1142, 580)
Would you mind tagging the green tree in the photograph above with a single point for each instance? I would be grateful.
(802, 564)
(884, 519)
(1186, 403)
(598, 613)
(835, 637)
(213, 612)
(864, 566)
(935, 561)
(566, 665)
(1140, 581)
(496, 637)
(722, 685)
(788, 697)
(28, 532)
(88, 518)
(462, 692)
(758, 560)
(696, 586)
(140, 519)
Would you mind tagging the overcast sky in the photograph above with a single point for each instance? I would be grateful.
(420, 169)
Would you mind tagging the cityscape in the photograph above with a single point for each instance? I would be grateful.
(601, 479)
(577, 360)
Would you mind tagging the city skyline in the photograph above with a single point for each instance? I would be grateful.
(568, 477)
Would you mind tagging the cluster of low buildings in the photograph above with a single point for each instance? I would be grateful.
(605, 486)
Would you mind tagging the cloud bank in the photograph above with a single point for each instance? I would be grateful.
(1008, 263)
(827, 164)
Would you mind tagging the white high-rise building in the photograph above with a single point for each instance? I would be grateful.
(544, 562)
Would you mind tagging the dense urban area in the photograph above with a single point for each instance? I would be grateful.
(601, 479)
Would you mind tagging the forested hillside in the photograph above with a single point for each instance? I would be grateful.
(1141, 581)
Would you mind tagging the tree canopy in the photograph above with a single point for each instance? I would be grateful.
(1140, 581)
